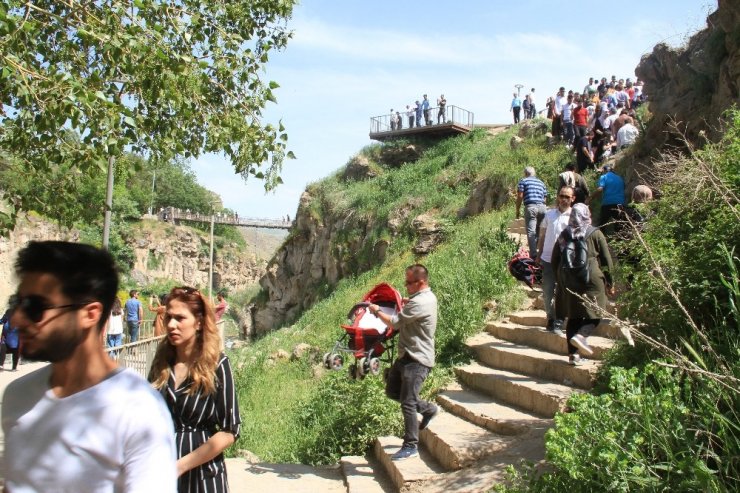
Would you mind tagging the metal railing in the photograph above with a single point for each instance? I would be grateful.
(451, 115)
(173, 213)
(136, 355)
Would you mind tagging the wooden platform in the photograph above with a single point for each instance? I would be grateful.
(434, 131)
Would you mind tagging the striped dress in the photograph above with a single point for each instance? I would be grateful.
(197, 417)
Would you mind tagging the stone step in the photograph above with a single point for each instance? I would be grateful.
(245, 476)
(517, 226)
(405, 473)
(533, 395)
(457, 443)
(530, 292)
(364, 475)
(538, 318)
(493, 470)
(506, 355)
(498, 417)
(519, 239)
(540, 338)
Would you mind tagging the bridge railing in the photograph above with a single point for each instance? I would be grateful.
(136, 355)
(452, 115)
(173, 213)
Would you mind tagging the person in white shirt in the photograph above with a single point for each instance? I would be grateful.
(556, 220)
(627, 134)
(80, 423)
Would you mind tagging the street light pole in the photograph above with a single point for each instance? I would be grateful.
(210, 264)
(518, 89)
(151, 202)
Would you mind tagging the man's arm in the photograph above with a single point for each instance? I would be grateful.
(519, 199)
(141, 313)
(541, 241)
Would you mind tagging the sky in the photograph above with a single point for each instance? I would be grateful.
(350, 60)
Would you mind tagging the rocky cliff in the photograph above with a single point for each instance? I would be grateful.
(162, 251)
(29, 228)
(695, 84)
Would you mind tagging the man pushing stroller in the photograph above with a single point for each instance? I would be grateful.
(416, 324)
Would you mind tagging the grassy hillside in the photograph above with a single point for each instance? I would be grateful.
(294, 410)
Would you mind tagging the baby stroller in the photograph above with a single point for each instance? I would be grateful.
(366, 337)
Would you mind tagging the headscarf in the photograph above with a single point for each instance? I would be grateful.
(580, 220)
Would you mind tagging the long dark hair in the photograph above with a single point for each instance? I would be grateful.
(117, 310)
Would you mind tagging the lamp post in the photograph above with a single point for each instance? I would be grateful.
(518, 89)
(108, 203)
(210, 264)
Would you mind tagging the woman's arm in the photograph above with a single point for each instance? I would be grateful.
(219, 442)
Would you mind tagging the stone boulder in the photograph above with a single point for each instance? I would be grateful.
(359, 168)
(532, 128)
(488, 194)
(515, 142)
(395, 157)
(430, 233)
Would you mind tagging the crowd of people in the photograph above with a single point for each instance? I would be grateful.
(416, 111)
(556, 237)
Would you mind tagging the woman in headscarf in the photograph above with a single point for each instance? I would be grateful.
(582, 316)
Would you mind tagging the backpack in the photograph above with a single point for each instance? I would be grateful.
(574, 260)
(523, 268)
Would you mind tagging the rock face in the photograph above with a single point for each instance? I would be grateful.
(182, 253)
(316, 255)
(695, 84)
(28, 228)
(166, 252)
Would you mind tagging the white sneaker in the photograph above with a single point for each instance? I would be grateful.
(580, 342)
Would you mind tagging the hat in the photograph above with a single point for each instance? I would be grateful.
(606, 168)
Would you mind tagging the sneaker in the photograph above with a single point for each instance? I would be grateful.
(427, 418)
(580, 342)
(405, 452)
(576, 360)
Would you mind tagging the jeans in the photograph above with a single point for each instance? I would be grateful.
(115, 340)
(517, 110)
(404, 383)
(133, 330)
(533, 216)
(548, 288)
(569, 132)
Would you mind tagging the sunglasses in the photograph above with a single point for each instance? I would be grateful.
(565, 196)
(34, 306)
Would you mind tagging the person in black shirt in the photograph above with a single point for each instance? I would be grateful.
(584, 154)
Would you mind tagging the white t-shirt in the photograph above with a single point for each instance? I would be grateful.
(627, 135)
(116, 436)
(115, 324)
(554, 222)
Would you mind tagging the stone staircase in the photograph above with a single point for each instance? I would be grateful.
(498, 411)
(495, 414)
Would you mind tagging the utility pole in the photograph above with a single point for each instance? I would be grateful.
(210, 265)
(518, 89)
(151, 202)
(108, 203)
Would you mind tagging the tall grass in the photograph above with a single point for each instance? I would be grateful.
(294, 410)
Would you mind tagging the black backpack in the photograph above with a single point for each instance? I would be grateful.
(574, 260)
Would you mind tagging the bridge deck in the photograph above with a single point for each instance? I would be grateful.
(177, 215)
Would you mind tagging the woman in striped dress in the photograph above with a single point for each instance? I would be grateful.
(195, 379)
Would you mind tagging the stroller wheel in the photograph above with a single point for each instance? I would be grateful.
(374, 366)
(336, 361)
(362, 367)
(327, 361)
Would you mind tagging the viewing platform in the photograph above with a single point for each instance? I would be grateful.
(453, 121)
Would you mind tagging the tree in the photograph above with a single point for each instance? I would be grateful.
(85, 80)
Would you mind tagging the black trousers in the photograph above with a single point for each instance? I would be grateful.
(4, 350)
(404, 383)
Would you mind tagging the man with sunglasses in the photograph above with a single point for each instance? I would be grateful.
(80, 423)
(416, 324)
(556, 220)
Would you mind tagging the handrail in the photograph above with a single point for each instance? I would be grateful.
(174, 213)
(451, 115)
(137, 356)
